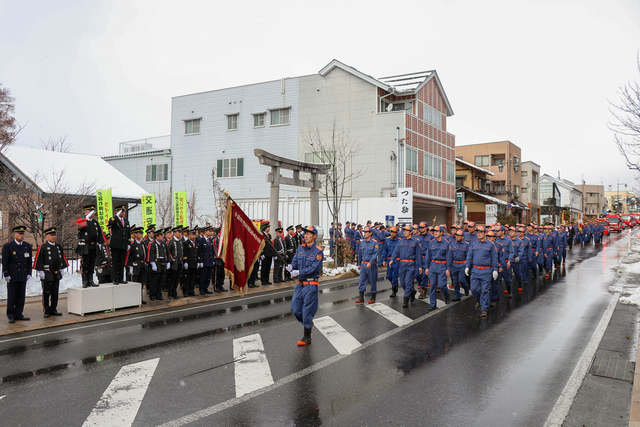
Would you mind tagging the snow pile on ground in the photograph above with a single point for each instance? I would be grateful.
(34, 286)
(627, 275)
(330, 272)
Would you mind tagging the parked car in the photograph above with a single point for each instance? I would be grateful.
(615, 224)
(628, 220)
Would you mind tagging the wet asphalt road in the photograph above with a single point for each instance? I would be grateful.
(446, 368)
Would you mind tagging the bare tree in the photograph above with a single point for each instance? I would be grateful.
(336, 149)
(626, 122)
(219, 197)
(164, 208)
(56, 144)
(192, 201)
(9, 129)
(37, 210)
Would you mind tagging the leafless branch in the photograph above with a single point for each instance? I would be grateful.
(56, 144)
(625, 122)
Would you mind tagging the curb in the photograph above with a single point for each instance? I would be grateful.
(634, 410)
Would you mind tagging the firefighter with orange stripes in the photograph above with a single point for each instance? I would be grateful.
(50, 264)
(482, 266)
(368, 253)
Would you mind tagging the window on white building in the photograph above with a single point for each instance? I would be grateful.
(427, 165)
(159, 172)
(192, 127)
(232, 121)
(437, 167)
(524, 173)
(412, 160)
(451, 172)
(280, 116)
(229, 168)
(258, 120)
(482, 160)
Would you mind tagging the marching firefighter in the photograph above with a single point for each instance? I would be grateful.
(482, 266)
(368, 266)
(307, 265)
(408, 254)
(392, 270)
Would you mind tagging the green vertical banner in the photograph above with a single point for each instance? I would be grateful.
(180, 208)
(104, 208)
(148, 210)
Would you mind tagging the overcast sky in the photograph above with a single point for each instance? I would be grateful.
(539, 73)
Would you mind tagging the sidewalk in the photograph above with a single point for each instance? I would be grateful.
(33, 307)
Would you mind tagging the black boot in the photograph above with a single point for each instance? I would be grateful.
(360, 299)
(394, 292)
(405, 302)
(306, 339)
(413, 295)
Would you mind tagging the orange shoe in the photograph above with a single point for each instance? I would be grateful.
(371, 301)
(546, 276)
(506, 292)
(519, 290)
(303, 342)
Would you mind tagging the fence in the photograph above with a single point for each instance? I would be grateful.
(69, 253)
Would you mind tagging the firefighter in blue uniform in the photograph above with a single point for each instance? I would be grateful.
(494, 296)
(481, 266)
(548, 247)
(506, 259)
(423, 238)
(307, 265)
(368, 252)
(457, 260)
(437, 267)
(392, 269)
(16, 268)
(535, 247)
(520, 254)
(408, 254)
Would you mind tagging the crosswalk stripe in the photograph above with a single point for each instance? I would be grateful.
(390, 314)
(252, 371)
(342, 340)
(120, 402)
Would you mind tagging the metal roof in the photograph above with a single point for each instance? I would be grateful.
(472, 166)
(407, 82)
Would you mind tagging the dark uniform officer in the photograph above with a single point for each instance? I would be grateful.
(290, 248)
(136, 256)
(16, 268)
(119, 243)
(88, 237)
(205, 254)
(176, 255)
(267, 254)
(104, 261)
(50, 263)
(218, 269)
(157, 258)
(191, 262)
(280, 258)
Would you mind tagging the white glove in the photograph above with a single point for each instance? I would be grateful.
(199, 265)
(168, 265)
(186, 265)
(154, 267)
(131, 270)
(8, 278)
(294, 273)
(41, 275)
(28, 277)
(495, 275)
(62, 273)
(128, 247)
(99, 270)
(289, 268)
(466, 271)
(517, 259)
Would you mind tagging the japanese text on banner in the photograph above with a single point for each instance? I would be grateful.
(148, 210)
(104, 208)
(180, 208)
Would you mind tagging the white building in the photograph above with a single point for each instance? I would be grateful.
(569, 205)
(214, 133)
(530, 189)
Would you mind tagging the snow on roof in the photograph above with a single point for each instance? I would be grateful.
(406, 82)
(472, 166)
(484, 196)
(80, 171)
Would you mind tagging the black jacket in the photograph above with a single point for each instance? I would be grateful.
(268, 251)
(191, 253)
(50, 259)
(176, 254)
(120, 233)
(16, 261)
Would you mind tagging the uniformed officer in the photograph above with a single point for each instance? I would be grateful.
(88, 238)
(157, 258)
(205, 253)
(548, 247)
(191, 263)
(457, 260)
(119, 242)
(307, 265)
(520, 244)
(368, 252)
(437, 267)
(50, 263)
(16, 268)
(176, 258)
(423, 237)
(408, 254)
(268, 253)
(392, 269)
(279, 260)
(505, 251)
(104, 261)
(135, 260)
(290, 247)
(481, 266)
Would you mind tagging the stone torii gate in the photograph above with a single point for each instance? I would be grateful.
(275, 179)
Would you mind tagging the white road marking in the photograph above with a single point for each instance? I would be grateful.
(120, 402)
(163, 312)
(390, 314)
(342, 340)
(3, 396)
(212, 410)
(563, 404)
(252, 371)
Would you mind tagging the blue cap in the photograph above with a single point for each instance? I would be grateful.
(310, 229)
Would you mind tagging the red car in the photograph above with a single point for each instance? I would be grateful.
(628, 220)
(615, 224)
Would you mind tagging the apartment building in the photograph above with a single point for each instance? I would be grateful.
(530, 190)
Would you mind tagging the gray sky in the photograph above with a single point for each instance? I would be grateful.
(538, 73)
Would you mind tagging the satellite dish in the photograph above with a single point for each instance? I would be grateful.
(389, 108)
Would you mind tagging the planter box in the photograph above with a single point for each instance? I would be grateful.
(104, 297)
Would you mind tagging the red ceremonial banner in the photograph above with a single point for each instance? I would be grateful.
(242, 244)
